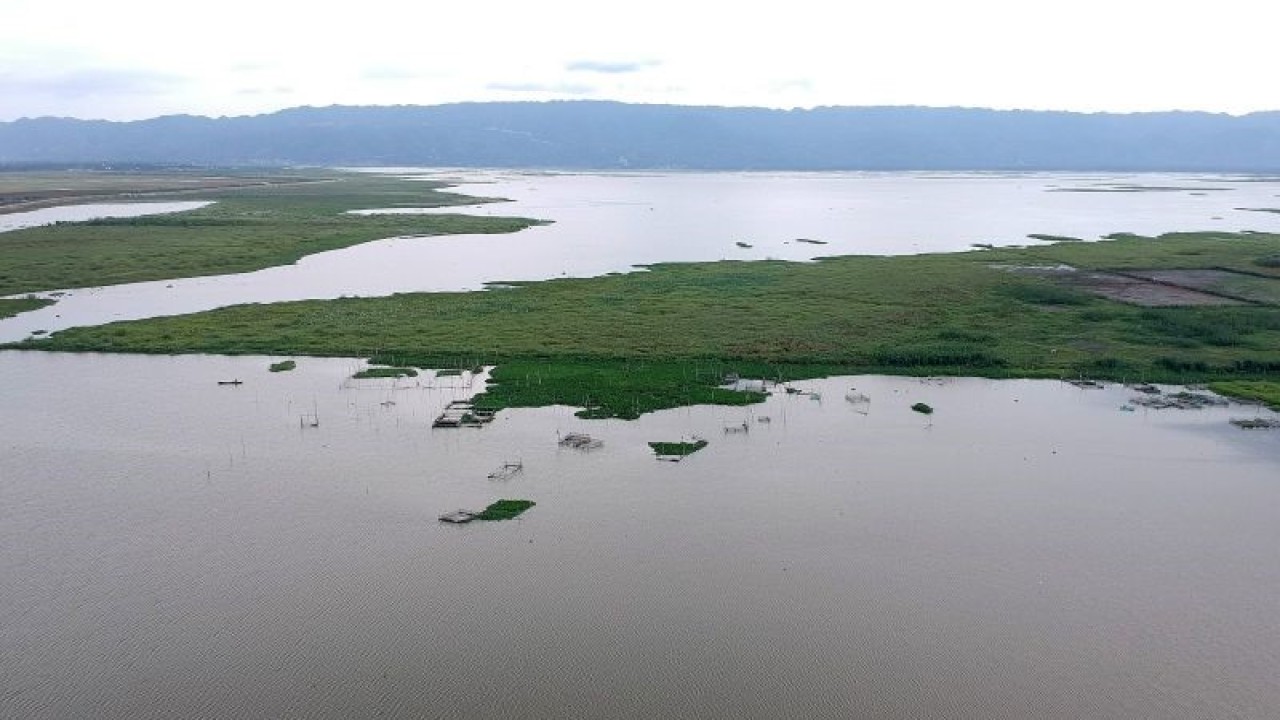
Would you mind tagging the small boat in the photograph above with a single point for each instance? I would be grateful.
(230, 382)
(457, 517)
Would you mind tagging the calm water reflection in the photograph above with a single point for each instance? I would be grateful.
(613, 222)
(175, 548)
(93, 211)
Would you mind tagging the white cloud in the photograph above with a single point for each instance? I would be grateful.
(1086, 55)
(610, 67)
(549, 89)
(89, 82)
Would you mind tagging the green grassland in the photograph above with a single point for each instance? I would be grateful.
(1260, 391)
(622, 345)
(274, 221)
(9, 308)
(22, 190)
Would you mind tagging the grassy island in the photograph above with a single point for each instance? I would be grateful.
(505, 509)
(623, 345)
(1053, 238)
(678, 449)
(1260, 391)
(9, 308)
(1183, 307)
(385, 372)
(256, 221)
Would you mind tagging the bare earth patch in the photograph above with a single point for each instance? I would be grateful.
(1158, 288)
(1228, 284)
(1129, 288)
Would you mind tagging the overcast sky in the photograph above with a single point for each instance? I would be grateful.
(128, 59)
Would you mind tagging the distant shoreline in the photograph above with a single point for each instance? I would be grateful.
(588, 135)
(1184, 307)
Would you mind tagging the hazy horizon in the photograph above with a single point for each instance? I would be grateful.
(134, 60)
(653, 104)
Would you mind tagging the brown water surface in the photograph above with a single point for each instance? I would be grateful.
(170, 547)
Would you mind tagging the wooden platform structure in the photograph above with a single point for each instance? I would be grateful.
(461, 413)
(1258, 423)
(580, 441)
(813, 394)
(734, 382)
(507, 470)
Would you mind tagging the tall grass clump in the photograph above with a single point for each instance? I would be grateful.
(1045, 293)
(505, 509)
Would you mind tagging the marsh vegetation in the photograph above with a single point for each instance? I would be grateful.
(21, 191)
(1053, 238)
(682, 448)
(623, 345)
(1263, 392)
(256, 222)
(14, 306)
(505, 509)
(385, 372)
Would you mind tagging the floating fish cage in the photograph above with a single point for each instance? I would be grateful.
(861, 403)
(1255, 423)
(580, 441)
(507, 470)
(461, 413)
(1179, 401)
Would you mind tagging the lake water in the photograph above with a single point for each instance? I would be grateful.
(176, 548)
(612, 222)
(171, 547)
(92, 211)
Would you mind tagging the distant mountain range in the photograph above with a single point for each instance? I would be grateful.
(595, 135)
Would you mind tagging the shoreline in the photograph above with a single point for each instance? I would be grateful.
(254, 225)
(624, 344)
